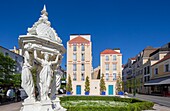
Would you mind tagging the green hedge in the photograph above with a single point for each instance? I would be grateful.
(105, 98)
(134, 104)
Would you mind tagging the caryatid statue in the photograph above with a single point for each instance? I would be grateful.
(27, 79)
(46, 74)
(56, 80)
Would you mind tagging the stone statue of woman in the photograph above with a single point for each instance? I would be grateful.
(27, 80)
(56, 80)
(45, 75)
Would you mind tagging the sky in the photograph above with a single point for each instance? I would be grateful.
(130, 25)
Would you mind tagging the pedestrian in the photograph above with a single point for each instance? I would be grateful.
(18, 93)
(8, 94)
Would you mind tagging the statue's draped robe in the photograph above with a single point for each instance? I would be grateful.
(27, 80)
(45, 79)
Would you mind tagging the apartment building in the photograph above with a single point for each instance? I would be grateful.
(138, 75)
(160, 80)
(127, 75)
(79, 61)
(16, 57)
(160, 72)
(135, 70)
(111, 67)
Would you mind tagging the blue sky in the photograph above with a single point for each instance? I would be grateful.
(130, 25)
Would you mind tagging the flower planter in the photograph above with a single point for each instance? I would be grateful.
(103, 93)
(87, 93)
(68, 93)
(120, 93)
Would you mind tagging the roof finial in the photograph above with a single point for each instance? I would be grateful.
(44, 7)
(44, 11)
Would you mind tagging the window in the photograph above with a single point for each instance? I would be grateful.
(145, 70)
(167, 68)
(114, 57)
(114, 76)
(82, 67)
(16, 68)
(74, 57)
(107, 67)
(82, 47)
(82, 57)
(82, 77)
(74, 76)
(123, 78)
(107, 76)
(74, 67)
(156, 70)
(16, 58)
(148, 70)
(114, 67)
(74, 47)
(107, 58)
(6, 53)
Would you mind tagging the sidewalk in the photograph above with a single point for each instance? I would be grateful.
(11, 107)
(164, 101)
(161, 103)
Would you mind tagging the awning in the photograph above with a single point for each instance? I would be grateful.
(159, 81)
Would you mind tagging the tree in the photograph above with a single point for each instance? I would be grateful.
(34, 75)
(87, 84)
(119, 84)
(102, 84)
(7, 68)
(69, 85)
(16, 80)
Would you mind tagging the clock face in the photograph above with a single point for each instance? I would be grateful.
(46, 31)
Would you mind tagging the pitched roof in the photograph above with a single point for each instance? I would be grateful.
(163, 59)
(133, 58)
(109, 51)
(79, 39)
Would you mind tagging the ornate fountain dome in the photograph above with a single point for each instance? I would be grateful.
(42, 28)
(42, 36)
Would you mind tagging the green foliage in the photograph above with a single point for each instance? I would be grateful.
(87, 85)
(102, 84)
(133, 104)
(16, 80)
(106, 98)
(34, 75)
(69, 85)
(138, 82)
(128, 83)
(119, 84)
(7, 67)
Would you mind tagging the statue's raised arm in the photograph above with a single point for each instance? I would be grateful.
(57, 59)
(36, 58)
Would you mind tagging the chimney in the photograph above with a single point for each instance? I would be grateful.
(117, 49)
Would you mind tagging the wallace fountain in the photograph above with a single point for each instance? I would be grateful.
(42, 49)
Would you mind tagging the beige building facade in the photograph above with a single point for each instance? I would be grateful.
(160, 79)
(79, 61)
(111, 67)
(79, 66)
